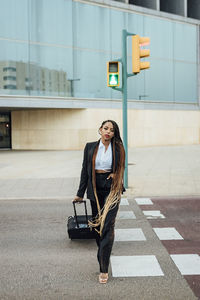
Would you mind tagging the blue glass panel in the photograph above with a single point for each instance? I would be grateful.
(51, 21)
(118, 21)
(161, 37)
(14, 68)
(154, 87)
(51, 70)
(91, 70)
(91, 27)
(13, 51)
(70, 42)
(159, 81)
(185, 82)
(136, 26)
(185, 42)
(136, 84)
(14, 19)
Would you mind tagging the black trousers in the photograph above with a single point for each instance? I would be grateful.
(104, 242)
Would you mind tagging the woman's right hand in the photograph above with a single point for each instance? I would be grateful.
(78, 199)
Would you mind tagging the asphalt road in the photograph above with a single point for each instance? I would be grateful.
(38, 261)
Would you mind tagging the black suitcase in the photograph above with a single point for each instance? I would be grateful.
(77, 225)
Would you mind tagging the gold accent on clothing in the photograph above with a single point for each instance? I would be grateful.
(102, 171)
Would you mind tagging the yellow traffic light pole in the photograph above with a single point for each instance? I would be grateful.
(138, 53)
(137, 66)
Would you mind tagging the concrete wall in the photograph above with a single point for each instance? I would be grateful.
(72, 128)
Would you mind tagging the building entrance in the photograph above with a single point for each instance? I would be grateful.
(5, 130)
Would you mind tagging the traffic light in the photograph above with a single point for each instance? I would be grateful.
(113, 73)
(138, 53)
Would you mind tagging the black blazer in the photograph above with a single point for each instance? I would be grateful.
(86, 173)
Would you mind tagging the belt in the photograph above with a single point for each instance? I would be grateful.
(102, 171)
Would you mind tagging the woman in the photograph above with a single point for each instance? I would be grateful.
(102, 176)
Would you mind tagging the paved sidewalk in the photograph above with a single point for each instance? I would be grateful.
(153, 171)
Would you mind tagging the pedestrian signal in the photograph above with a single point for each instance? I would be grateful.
(137, 53)
(113, 73)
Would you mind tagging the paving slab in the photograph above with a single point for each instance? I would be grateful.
(156, 171)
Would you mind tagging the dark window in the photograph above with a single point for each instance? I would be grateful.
(9, 69)
(144, 3)
(10, 87)
(5, 130)
(173, 7)
(9, 77)
(194, 9)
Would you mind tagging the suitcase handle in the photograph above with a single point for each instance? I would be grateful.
(75, 202)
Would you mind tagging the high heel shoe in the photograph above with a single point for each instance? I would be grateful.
(103, 277)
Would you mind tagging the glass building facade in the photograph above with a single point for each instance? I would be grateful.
(60, 48)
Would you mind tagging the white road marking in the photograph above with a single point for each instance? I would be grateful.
(134, 266)
(129, 234)
(124, 201)
(188, 264)
(126, 215)
(167, 233)
(153, 214)
(143, 201)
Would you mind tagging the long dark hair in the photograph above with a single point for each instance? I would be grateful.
(117, 182)
(117, 136)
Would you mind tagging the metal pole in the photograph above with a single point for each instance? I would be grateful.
(124, 103)
(125, 76)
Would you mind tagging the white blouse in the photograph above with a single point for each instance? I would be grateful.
(104, 158)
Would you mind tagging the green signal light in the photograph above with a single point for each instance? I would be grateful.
(113, 73)
(113, 79)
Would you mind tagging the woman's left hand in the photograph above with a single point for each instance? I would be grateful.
(111, 176)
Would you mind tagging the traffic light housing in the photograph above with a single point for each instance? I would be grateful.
(138, 53)
(113, 73)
